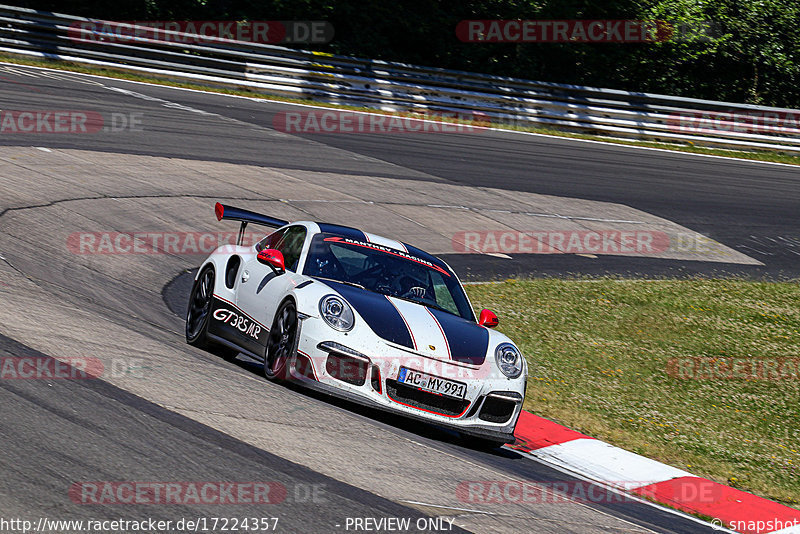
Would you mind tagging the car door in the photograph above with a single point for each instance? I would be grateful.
(261, 289)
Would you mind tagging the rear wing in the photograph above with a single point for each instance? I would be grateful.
(245, 216)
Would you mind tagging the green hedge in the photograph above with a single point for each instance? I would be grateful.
(751, 53)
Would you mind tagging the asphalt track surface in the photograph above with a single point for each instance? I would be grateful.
(751, 207)
(197, 417)
(89, 430)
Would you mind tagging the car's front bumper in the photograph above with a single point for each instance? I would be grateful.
(489, 410)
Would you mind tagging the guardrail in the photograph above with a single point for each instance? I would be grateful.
(397, 87)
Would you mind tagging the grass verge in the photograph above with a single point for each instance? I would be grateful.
(699, 374)
(769, 156)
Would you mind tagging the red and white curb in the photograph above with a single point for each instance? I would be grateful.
(732, 509)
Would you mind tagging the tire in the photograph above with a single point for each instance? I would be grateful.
(281, 342)
(198, 315)
(198, 312)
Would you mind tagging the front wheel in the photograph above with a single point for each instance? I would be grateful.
(281, 342)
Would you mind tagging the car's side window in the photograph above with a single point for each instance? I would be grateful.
(291, 245)
(289, 241)
(271, 241)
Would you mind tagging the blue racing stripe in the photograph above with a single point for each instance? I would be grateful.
(380, 314)
(418, 252)
(468, 341)
(344, 231)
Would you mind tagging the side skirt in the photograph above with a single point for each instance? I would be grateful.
(229, 323)
(234, 346)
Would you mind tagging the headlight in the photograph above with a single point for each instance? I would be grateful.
(509, 360)
(337, 313)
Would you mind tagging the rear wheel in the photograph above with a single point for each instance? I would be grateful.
(281, 342)
(199, 311)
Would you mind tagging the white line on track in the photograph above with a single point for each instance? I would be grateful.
(449, 507)
(19, 72)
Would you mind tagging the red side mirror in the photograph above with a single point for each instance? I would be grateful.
(273, 258)
(488, 319)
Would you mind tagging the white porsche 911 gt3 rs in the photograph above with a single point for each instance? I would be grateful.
(361, 317)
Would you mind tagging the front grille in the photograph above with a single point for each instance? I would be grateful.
(347, 369)
(424, 400)
(497, 410)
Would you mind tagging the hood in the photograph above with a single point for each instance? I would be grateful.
(426, 330)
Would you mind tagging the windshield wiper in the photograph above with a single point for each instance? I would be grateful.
(346, 282)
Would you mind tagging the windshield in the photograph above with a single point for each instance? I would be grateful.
(387, 271)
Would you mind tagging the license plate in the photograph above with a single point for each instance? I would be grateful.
(433, 384)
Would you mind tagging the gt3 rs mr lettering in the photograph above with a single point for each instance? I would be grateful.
(240, 322)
